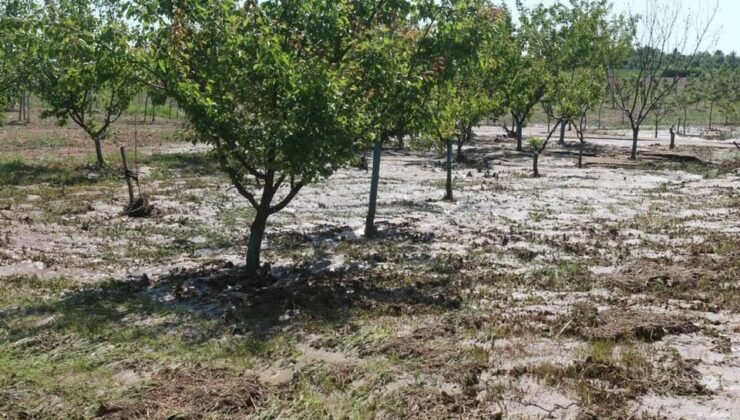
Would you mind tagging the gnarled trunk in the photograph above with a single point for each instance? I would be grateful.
(673, 138)
(535, 169)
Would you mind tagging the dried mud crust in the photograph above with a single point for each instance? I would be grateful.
(574, 294)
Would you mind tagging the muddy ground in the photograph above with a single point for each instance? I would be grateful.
(610, 291)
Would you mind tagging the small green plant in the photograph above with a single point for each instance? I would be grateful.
(535, 142)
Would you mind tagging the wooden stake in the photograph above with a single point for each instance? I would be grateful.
(128, 176)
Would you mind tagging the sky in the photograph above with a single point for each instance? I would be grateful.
(726, 23)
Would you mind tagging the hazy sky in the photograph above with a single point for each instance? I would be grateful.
(726, 24)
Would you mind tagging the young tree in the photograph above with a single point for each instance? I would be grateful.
(713, 88)
(272, 86)
(577, 78)
(7, 65)
(591, 90)
(399, 67)
(14, 55)
(660, 30)
(531, 51)
(157, 97)
(665, 107)
(685, 96)
(730, 101)
(719, 87)
(86, 73)
(465, 40)
(481, 82)
(445, 104)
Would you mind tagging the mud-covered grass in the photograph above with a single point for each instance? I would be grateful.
(607, 292)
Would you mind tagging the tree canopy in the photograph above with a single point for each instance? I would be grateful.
(86, 73)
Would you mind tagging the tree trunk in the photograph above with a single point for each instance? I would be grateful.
(684, 118)
(370, 229)
(673, 139)
(146, 103)
(28, 108)
(448, 184)
(678, 127)
(562, 134)
(465, 138)
(600, 106)
(635, 133)
(535, 170)
(657, 121)
(127, 175)
(459, 157)
(99, 151)
(580, 156)
(711, 109)
(254, 246)
(519, 135)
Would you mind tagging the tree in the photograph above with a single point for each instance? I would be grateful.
(638, 93)
(399, 67)
(575, 75)
(530, 52)
(86, 73)
(719, 87)
(481, 83)
(665, 107)
(157, 97)
(14, 24)
(465, 40)
(7, 65)
(271, 86)
(686, 95)
(532, 60)
(731, 99)
(713, 88)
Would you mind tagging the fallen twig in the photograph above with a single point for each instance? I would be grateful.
(554, 409)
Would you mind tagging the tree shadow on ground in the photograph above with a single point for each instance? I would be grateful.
(223, 295)
(196, 320)
(19, 173)
(193, 163)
